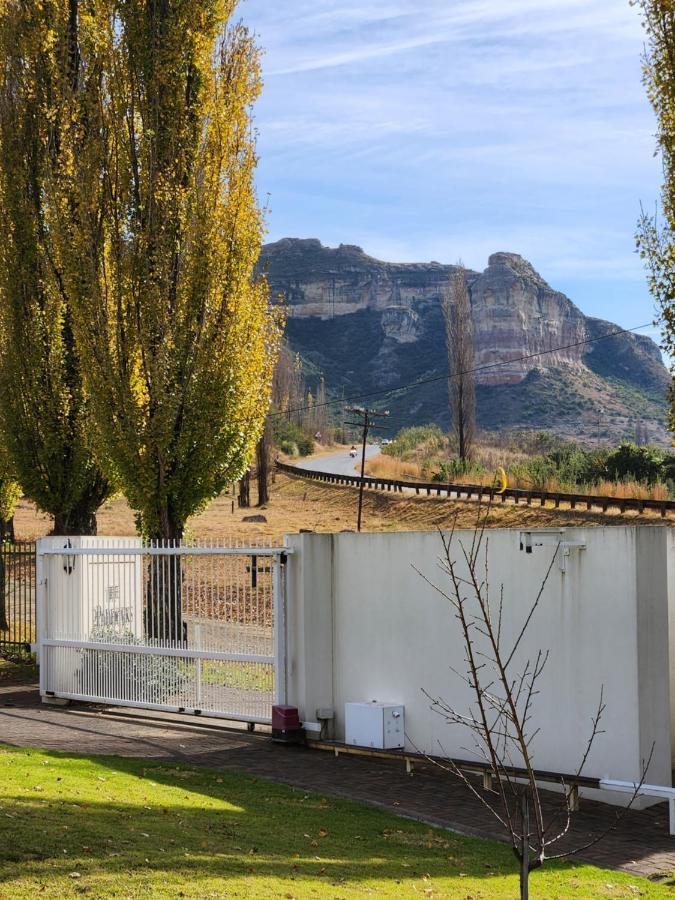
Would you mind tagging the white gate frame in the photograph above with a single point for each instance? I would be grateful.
(278, 659)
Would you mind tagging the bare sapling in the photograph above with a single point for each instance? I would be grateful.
(504, 675)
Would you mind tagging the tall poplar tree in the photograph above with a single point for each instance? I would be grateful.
(160, 233)
(656, 239)
(42, 402)
(456, 306)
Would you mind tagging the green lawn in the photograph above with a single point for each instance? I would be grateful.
(113, 827)
(251, 676)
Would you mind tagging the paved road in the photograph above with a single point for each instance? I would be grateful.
(338, 463)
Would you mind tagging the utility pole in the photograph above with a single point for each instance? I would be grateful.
(366, 423)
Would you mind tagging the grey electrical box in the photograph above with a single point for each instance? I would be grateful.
(375, 724)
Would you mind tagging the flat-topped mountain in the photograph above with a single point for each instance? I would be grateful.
(369, 325)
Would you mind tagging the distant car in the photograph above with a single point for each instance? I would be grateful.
(386, 442)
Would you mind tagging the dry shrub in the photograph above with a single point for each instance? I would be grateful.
(491, 457)
(391, 467)
(631, 490)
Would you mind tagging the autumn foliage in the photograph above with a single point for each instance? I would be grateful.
(44, 411)
(149, 216)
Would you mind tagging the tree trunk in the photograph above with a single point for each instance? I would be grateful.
(76, 522)
(262, 464)
(164, 592)
(245, 490)
(164, 601)
(4, 624)
(525, 847)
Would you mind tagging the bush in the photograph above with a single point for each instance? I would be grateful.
(572, 465)
(427, 438)
(149, 678)
(457, 468)
(292, 435)
(644, 464)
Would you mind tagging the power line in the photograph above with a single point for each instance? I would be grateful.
(446, 375)
(366, 417)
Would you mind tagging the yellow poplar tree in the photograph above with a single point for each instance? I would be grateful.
(162, 232)
(656, 240)
(42, 402)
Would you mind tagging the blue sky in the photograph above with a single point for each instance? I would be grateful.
(447, 129)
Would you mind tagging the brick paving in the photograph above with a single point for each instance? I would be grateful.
(640, 845)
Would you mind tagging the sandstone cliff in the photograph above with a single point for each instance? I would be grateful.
(367, 324)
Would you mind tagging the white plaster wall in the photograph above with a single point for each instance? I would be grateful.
(670, 556)
(372, 628)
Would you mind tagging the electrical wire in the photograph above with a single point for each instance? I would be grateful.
(411, 385)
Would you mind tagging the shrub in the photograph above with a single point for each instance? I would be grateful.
(424, 438)
(290, 434)
(154, 679)
(641, 463)
(455, 469)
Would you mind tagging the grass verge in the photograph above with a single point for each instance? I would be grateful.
(17, 669)
(114, 827)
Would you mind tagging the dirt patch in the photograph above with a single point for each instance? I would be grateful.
(296, 504)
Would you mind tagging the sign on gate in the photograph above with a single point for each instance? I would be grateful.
(183, 628)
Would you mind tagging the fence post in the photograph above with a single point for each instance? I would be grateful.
(279, 605)
(40, 615)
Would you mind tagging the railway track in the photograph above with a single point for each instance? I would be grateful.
(665, 508)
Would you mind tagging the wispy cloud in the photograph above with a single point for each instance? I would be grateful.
(447, 128)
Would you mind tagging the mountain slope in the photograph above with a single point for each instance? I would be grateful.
(369, 325)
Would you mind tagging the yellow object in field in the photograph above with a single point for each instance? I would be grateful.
(501, 482)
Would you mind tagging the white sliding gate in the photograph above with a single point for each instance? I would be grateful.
(197, 629)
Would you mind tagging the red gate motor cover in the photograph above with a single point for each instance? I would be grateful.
(285, 718)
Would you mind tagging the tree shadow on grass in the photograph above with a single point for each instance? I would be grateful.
(101, 822)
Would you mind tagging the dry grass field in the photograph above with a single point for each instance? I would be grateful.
(296, 503)
(408, 470)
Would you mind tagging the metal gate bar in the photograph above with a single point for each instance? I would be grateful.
(17, 595)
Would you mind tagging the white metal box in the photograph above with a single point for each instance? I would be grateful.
(379, 725)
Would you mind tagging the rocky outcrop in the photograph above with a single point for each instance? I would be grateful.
(322, 281)
(401, 323)
(515, 312)
(371, 324)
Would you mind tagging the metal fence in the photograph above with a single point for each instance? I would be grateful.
(185, 628)
(17, 596)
